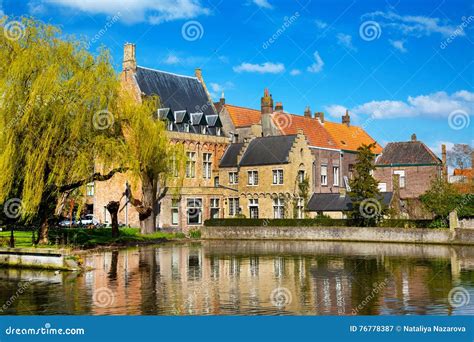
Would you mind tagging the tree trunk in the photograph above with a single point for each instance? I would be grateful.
(43, 232)
(113, 208)
(148, 219)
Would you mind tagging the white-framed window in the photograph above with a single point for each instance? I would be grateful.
(233, 177)
(335, 175)
(207, 165)
(301, 176)
(253, 208)
(175, 212)
(351, 171)
(324, 175)
(233, 206)
(194, 210)
(277, 177)
(278, 208)
(215, 208)
(90, 189)
(252, 178)
(300, 207)
(216, 181)
(382, 187)
(174, 166)
(190, 164)
(401, 177)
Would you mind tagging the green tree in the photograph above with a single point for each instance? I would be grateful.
(441, 199)
(58, 118)
(367, 205)
(152, 159)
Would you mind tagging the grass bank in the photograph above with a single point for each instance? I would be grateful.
(89, 238)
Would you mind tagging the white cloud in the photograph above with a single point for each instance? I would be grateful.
(345, 40)
(317, 66)
(172, 59)
(410, 25)
(216, 89)
(267, 67)
(263, 4)
(399, 45)
(133, 11)
(336, 111)
(295, 72)
(320, 24)
(437, 105)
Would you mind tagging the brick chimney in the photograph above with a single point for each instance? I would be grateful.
(346, 119)
(129, 59)
(413, 137)
(307, 112)
(279, 107)
(222, 99)
(266, 104)
(198, 73)
(443, 159)
(319, 116)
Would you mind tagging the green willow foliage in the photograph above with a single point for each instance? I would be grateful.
(53, 96)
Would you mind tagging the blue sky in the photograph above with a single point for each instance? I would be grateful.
(400, 67)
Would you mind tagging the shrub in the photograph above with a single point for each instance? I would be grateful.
(195, 234)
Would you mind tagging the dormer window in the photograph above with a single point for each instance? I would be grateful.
(186, 127)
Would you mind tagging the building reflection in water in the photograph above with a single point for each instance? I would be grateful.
(240, 277)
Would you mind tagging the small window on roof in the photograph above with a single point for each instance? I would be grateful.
(343, 142)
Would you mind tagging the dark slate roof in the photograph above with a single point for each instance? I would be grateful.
(268, 150)
(407, 153)
(336, 202)
(175, 91)
(229, 159)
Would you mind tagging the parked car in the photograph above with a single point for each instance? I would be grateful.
(88, 220)
(67, 223)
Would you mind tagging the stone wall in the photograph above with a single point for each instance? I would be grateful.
(379, 234)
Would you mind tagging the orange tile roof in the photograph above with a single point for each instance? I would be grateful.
(312, 129)
(469, 173)
(243, 117)
(350, 138)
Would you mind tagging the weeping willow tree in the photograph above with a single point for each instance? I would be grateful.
(58, 117)
(155, 162)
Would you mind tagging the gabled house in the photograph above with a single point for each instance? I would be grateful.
(414, 164)
(263, 175)
(191, 120)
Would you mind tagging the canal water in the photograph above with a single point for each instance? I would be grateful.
(252, 278)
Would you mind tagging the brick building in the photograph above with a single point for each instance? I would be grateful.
(263, 175)
(192, 120)
(414, 163)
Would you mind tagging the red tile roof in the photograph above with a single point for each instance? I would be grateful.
(469, 173)
(243, 117)
(312, 129)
